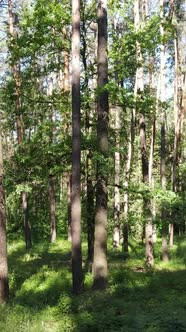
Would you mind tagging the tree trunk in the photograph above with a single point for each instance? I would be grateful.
(171, 234)
(100, 243)
(116, 232)
(146, 200)
(77, 275)
(163, 184)
(126, 183)
(178, 99)
(27, 228)
(90, 211)
(88, 128)
(69, 187)
(151, 179)
(143, 143)
(4, 288)
(163, 142)
(52, 209)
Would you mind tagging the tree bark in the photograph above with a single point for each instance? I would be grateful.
(77, 275)
(52, 209)
(178, 109)
(90, 210)
(4, 287)
(163, 139)
(126, 183)
(116, 232)
(69, 189)
(100, 272)
(88, 127)
(27, 227)
(143, 143)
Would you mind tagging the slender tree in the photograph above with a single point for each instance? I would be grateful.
(100, 242)
(163, 138)
(4, 289)
(142, 7)
(52, 202)
(77, 276)
(116, 232)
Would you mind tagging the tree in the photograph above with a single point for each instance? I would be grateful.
(77, 276)
(100, 272)
(163, 138)
(4, 288)
(143, 141)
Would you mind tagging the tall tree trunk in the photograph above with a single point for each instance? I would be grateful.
(88, 128)
(16, 75)
(147, 210)
(163, 141)
(90, 210)
(66, 87)
(69, 187)
(177, 132)
(126, 183)
(143, 143)
(52, 202)
(77, 274)
(100, 242)
(151, 178)
(52, 209)
(4, 287)
(163, 185)
(152, 145)
(116, 233)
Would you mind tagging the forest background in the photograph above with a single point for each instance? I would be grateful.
(92, 152)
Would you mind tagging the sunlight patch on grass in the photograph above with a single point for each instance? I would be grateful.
(137, 299)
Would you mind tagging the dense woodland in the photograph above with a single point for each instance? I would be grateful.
(92, 160)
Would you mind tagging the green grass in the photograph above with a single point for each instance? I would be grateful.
(137, 299)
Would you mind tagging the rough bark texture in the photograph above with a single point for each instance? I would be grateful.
(141, 8)
(88, 123)
(52, 209)
(4, 289)
(77, 275)
(100, 243)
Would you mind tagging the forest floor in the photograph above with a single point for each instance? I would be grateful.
(137, 299)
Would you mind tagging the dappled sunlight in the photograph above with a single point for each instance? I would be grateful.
(44, 287)
(137, 298)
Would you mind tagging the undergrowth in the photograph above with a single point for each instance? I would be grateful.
(137, 299)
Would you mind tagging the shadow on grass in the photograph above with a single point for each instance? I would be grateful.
(149, 301)
(38, 277)
(145, 300)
